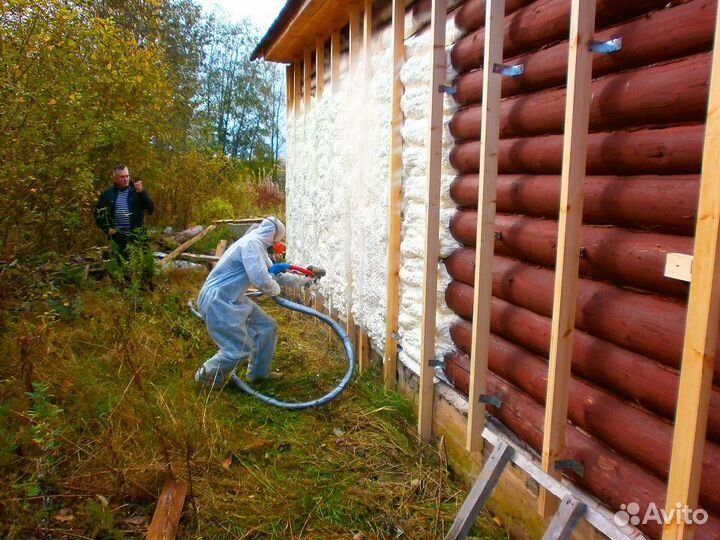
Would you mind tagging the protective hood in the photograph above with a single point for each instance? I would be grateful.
(271, 230)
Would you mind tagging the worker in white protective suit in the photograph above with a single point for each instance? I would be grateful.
(242, 331)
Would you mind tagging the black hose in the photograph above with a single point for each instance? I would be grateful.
(327, 398)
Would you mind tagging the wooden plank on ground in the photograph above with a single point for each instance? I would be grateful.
(577, 114)
(566, 519)
(432, 219)
(335, 60)
(164, 524)
(395, 206)
(480, 492)
(490, 129)
(319, 67)
(701, 327)
(182, 247)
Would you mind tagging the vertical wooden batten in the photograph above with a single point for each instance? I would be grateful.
(701, 328)
(319, 67)
(394, 208)
(356, 37)
(432, 218)
(577, 115)
(335, 60)
(367, 38)
(298, 87)
(289, 90)
(307, 90)
(490, 130)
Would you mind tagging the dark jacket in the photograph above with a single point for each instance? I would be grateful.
(138, 203)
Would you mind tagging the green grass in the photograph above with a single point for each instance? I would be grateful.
(99, 407)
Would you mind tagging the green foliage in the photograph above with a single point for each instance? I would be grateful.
(217, 208)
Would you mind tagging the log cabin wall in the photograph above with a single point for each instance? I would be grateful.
(647, 117)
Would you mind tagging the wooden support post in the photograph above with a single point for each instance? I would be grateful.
(289, 89)
(367, 38)
(167, 514)
(566, 519)
(355, 37)
(394, 208)
(577, 114)
(307, 91)
(432, 219)
(480, 492)
(335, 60)
(182, 247)
(298, 87)
(490, 130)
(701, 327)
(363, 350)
(319, 68)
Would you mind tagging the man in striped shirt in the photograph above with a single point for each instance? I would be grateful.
(121, 208)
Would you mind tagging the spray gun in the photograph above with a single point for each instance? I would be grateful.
(314, 272)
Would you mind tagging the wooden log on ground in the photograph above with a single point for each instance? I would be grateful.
(611, 478)
(665, 203)
(646, 324)
(182, 247)
(605, 417)
(612, 254)
(630, 375)
(541, 23)
(471, 15)
(167, 514)
(669, 93)
(547, 68)
(675, 150)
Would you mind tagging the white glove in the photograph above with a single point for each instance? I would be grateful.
(273, 289)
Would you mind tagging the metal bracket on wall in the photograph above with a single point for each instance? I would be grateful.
(606, 47)
(447, 89)
(509, 71)
(498, 235)
(570, 465)
(493, 401)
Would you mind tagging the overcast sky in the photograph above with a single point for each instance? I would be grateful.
(261, 12)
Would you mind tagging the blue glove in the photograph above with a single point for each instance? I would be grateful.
(278, 268)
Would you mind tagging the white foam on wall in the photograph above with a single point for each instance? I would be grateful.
(337, 194)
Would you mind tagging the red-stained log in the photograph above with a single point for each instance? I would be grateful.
(632, 376)
(666, 203)
(606, 417)
(541, 23)
(642, 323)
(675, 150)
(548, 67)
(471, 15)
(670, 93)
(613, 254)
(609, 477)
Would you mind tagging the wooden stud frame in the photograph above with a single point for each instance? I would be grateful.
(289, 89)
(335, 60)
(367, 38)
(577, 115)
(701, 328)
(319, 68)
(307, 86)
(355, 37)
(298, 88)
(487, 182)
(394, 209)
(432, 219)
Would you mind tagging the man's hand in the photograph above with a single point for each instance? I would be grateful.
(138, 186)
(112, 232)
(274, 289)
